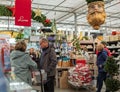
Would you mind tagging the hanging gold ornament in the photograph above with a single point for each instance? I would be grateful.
(96, 13)
(37, 12)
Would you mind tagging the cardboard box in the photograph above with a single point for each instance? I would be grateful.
(63, 80)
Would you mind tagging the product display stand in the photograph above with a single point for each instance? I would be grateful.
(59, 71)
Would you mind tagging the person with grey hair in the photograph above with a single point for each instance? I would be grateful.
(48, 62)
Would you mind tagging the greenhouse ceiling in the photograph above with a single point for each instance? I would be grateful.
(64, 12)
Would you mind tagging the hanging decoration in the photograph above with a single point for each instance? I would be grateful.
(38, 12)
(96, 13)
(12, 9)
(23, 14)
(5, 11)
(54, 28)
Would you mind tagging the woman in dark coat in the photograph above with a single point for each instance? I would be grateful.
(101, 59)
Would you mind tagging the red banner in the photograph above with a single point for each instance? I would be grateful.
(23, 12)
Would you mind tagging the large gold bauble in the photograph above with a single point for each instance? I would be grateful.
(96, 16)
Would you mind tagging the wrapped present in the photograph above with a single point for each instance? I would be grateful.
(80, 75)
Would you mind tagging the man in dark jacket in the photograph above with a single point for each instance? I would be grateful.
(101, 59)
(48, 62)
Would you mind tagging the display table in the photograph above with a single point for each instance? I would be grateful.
(59, 71)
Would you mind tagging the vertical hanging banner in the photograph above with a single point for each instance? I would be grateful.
(23, 12)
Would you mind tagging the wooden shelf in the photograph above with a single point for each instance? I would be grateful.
(87, 42)
(113, 47)
(111, 42)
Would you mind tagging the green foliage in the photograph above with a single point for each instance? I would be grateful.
(76, 43)
(112, 84)
(111, 66)
(85, 37)
(41, 19)
(20, 36)
(112, 69)
(4, 11)
(89, 1)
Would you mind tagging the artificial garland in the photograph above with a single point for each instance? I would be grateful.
(6, 11)
(89, 1)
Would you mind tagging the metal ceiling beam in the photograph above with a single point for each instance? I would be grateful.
(83, 25)
(86, 10)
(71, 11)
(52, 10)
(57, 5)
(52, 5)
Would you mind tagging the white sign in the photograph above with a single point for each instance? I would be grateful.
(34, 38)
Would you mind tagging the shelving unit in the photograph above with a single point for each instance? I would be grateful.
(114, 47)
(88, 44)
(91, 50)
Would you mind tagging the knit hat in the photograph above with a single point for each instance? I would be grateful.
(90, 1)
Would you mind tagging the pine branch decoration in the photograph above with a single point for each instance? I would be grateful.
(111, 66)
(89, 1)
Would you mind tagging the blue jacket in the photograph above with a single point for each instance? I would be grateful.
(101, 59)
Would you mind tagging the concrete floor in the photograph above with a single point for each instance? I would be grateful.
(64, 90)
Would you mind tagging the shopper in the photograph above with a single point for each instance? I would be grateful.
(85, 54)
(48, 62)
(105, 47)
(101, 59)
(22, 62)
(32, 54)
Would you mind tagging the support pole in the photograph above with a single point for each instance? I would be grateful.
(75, 21)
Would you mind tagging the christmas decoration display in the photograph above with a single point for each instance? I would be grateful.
(80, 76)
(76, 43)
(12, 9)
(20, 35)
(112, 68)
(36, 15)
(96, 13)
(4, 11)
(38, 12)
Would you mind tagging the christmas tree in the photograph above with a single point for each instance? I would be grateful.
(112, 68)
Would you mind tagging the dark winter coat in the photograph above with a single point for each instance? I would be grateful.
(101, 59)
(23, 64)
(48, 61)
